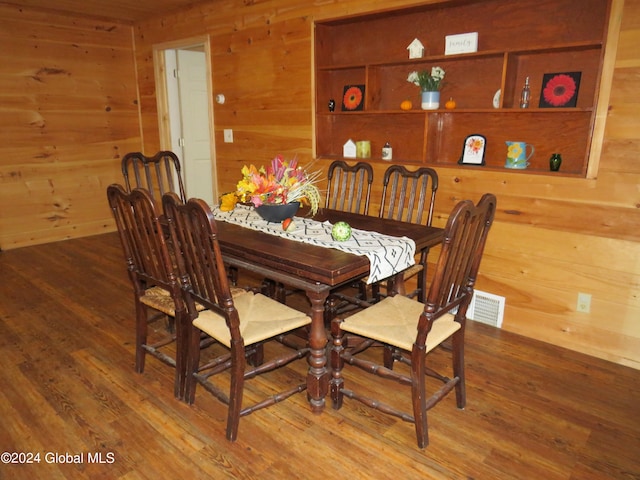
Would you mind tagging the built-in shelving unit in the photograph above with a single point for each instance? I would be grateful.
(516, 39)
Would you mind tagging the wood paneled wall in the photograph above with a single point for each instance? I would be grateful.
(553, 237)
(68, 111)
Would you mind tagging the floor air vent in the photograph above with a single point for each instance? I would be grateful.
(486, 308)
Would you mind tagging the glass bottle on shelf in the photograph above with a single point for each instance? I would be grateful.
(525, 96)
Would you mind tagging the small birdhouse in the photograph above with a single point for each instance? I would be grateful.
(416, 49)
(349, 149)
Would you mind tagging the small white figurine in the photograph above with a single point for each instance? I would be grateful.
(416, 49)
(349, 149)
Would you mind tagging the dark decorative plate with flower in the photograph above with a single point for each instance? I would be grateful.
(560, 90)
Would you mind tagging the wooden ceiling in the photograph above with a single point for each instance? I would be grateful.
(122, 11)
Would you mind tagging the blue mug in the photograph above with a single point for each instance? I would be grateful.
(517, 154)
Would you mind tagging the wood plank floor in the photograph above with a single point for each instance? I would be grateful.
(68, 387)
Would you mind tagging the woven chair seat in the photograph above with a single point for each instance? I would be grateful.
(393, 321)
(413, 270)
(260, 318)
(407, 272)
(160, 299)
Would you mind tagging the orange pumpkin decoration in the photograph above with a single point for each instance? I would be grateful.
(406, 105)
(450, 104)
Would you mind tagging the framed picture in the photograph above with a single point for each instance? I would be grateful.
(559, 89)
(353, 98)
(473, 150)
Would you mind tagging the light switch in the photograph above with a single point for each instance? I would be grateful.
(228, 135)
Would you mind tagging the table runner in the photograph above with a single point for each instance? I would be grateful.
(387, 254)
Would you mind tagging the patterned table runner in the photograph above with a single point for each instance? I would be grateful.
(387, 255)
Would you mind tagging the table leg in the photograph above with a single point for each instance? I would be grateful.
(396, 285)
(318, 376)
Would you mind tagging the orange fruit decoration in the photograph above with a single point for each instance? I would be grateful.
(406, 105)
(450, 104)
(287, 224)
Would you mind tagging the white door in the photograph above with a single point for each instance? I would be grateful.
(189, 120)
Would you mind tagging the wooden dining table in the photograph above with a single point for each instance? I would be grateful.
(316, 270)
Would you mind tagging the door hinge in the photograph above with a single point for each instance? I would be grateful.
(181, 142)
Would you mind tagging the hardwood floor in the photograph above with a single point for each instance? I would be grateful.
(68, 387)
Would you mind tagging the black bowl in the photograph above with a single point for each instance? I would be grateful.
(272, 212)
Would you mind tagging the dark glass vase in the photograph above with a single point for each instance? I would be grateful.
(554, 162)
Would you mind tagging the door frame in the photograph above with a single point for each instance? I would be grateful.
(162, 99)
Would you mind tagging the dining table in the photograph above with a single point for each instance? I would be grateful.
(316, 270)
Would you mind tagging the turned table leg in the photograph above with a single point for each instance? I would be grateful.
(318, 376)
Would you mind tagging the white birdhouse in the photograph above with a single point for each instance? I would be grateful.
(349, 149)
(416, 49)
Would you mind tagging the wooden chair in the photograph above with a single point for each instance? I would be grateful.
(242, 324)
(409, 196)
(157, 293)
(348, 190)
(409, 329)
(158, 174)
(349, 187)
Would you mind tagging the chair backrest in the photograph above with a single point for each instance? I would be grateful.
(455, 274)
(158, 174)
(200, 265)
(146, 253)
(349, 187)
(409, 196)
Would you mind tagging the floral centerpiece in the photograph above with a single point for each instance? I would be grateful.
(280, 183)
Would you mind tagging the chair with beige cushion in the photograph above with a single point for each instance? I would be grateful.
(157, 294)
(409, 329)
(241, 324)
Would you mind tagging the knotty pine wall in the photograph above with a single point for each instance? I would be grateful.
(553, 236)
(68, 112)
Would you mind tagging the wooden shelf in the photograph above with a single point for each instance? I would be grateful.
(568, 47)
(415, 111)
(353, 51)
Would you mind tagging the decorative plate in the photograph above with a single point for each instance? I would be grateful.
(496, 99)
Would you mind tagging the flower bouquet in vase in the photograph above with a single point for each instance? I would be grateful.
(430, 84)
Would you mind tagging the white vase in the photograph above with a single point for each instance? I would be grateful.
(430, 100)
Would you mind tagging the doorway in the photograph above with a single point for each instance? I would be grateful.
(185, 112)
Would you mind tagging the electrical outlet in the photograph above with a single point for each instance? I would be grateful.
(228, 135)
(584, 303)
